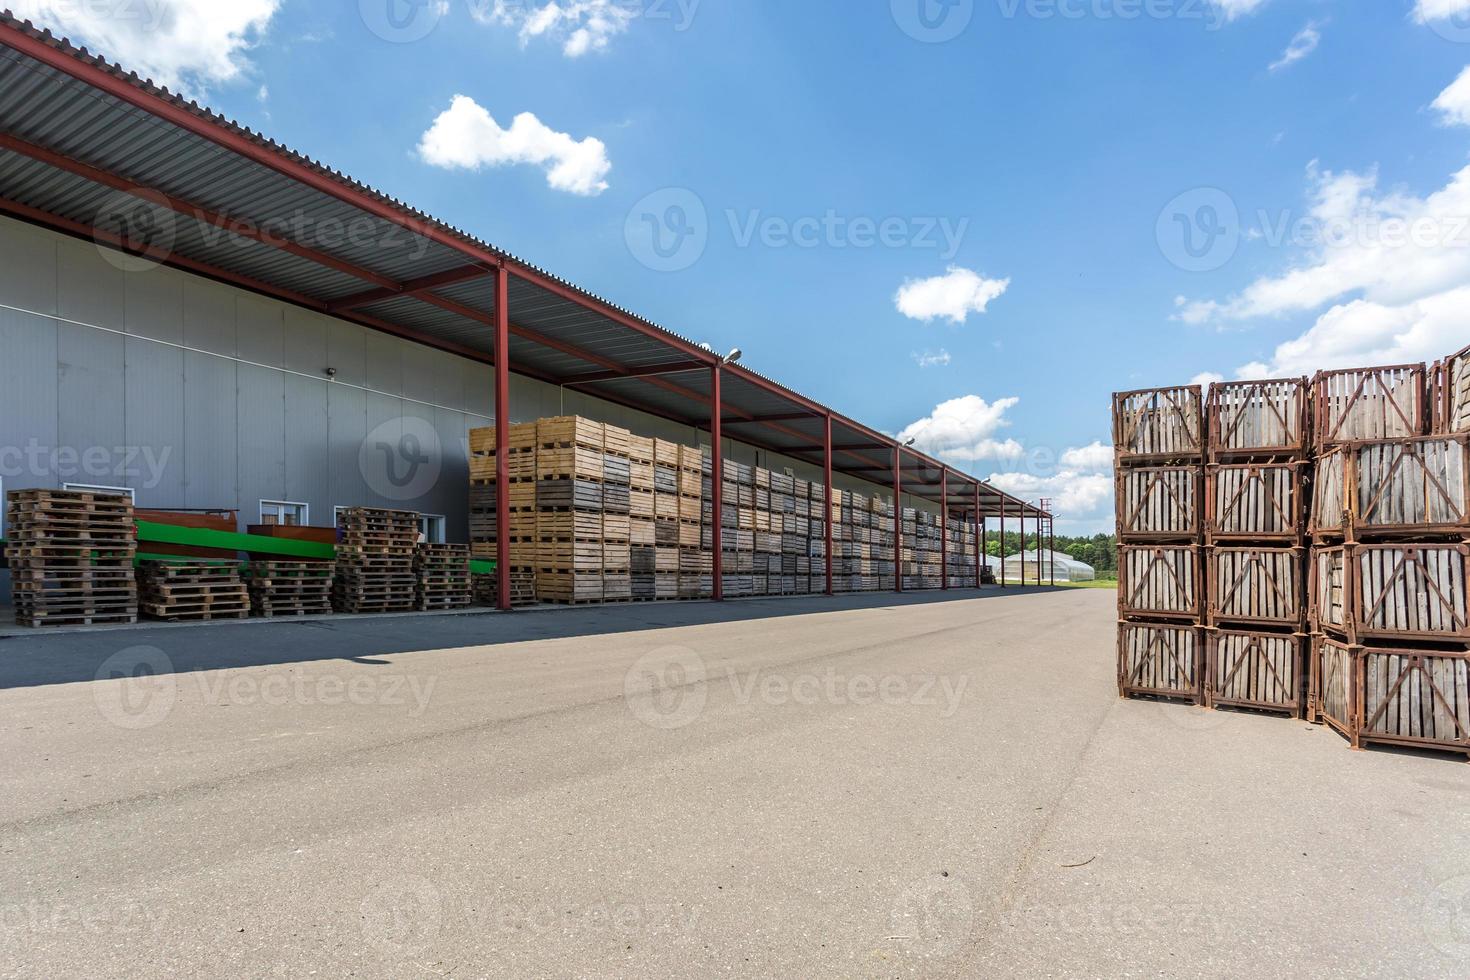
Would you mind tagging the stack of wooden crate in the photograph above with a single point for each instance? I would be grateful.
(642, 531)
(696, 565)
(1390, 561)
(442, 572)
(375, 552)
(922, 542)
(290, 588)
(862, 542)
(1159, 453)
(484, 519)
(71, 558)
(1451, 394)
(960, 554)
(185, 591)
(570, 468)
(1256, 486)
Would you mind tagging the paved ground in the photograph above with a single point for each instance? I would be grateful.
(856, 788)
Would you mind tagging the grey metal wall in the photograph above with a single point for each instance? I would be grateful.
(200, 395)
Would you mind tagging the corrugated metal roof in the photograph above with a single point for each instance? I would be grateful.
(65, 130)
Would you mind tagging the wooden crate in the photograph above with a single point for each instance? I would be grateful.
(666, 453)
(640, 449)
(569, 462)
(1414, 697)
(1160, 503)
(1255, 502)
(569, 588)
(1331, 500)
(1256, 585)
(1160, 660)
(1153, 581)
(1410, 487)
(570, 430)
(1452, 412)
(180, 591)
(1329, 572)
(1334, 685)
(1253, 669)
(1410, 591)
(1258, 419)
(1369, 404)
(1159, 424)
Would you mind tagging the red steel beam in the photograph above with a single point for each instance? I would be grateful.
(831, 492)
(716, 475)
(502, 437)
(413, 287)
(641, 372)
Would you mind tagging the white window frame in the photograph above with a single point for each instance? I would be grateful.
(427, 521)
(280, 505)
(128, 492)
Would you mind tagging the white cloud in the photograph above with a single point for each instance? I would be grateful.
(1237, 8)
(1303, 44)
(1080, 491)
(186, 45)
(1095, 457)
(965, 429)
(581, 25)
(1206, 378)
(939, 358)
(1454, 102)
(1428, 10)
(466, 136)
(954, 295)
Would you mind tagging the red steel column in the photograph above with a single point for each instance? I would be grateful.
(1051, 560)
(944, 528)
(1002, 548)
(716, 477)
(897, 519)
(979, 538)
(502, 436)
(827, 475)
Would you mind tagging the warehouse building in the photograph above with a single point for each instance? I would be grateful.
(201, 318)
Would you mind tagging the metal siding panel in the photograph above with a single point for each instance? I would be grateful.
(154, 305)
(306, 446)
(262, 439)
(451, 492)
(347, 426)
(209, 316)
(384, 428)
(27, 268)
(423, 367)
(347, 351)
(479, 388)
(383, 370)
(210, 427)
(261, 329)
(153, 379)
(28, 399)
(305, 342)
(89, 288)
(90, 403)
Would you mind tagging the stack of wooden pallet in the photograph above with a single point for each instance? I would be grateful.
(442, 572)
(1390, 562)
(960, 554)
(375, 552)
(923, 535)
(71, 558)
(1159, 453)
(484, 520)
(290, 588)
(643, 571)
(1255, 525)
(183, 591)
(862, 542)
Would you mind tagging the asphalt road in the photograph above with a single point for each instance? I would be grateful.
(847, 788)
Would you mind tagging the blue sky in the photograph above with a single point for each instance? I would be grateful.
(973, 240)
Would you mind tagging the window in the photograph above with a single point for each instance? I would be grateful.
(88, 488)
(284, 513)
(431, 526)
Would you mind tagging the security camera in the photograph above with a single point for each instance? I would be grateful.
(331, 372)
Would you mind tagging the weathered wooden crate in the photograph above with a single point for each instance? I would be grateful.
(1258, 418)
(1330, 501)
(570, 430)
(1255, 502)
(1160, 660)
(1251, 669)
(1418, 698)
(1452, 406)
(1256, 585)
(1160, 503)
(1411, 591)
(1159, 424)
(1370, 404)
(1158, 582)
(1410, 487)
(1334, 685)
(1329, 572)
